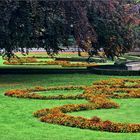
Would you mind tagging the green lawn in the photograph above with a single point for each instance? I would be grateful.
(62, 55)
(17, 122)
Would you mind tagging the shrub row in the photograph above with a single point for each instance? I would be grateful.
(96, 60)
(30, 70)
(112, 70)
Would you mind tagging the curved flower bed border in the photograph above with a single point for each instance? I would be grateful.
(34, 61)
(98, 96)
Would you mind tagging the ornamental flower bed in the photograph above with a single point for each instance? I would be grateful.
(79, 64)
(34, 61)
(98, 96)
(19, 61)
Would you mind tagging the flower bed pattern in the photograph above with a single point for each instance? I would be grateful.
(34, 61)
(98, 96)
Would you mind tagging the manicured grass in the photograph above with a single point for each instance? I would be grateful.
(128, 112)
(60, 92)
(43, 54)
(17, 122)
(136, 58)
(62, 55)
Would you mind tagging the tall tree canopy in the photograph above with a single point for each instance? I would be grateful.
(110, 25)
(115, 22)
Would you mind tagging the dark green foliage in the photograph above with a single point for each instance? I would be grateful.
(111, 25)
(116, 23)
(113, 70)
(28, 24)
(15, 30)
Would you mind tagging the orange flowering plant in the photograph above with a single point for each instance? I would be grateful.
(34, 61)
(98, 96)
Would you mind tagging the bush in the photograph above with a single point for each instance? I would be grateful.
(113, 70)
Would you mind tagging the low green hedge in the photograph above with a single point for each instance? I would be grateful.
(75, 59)
(41, 71)
(102, 70)
(113, 70)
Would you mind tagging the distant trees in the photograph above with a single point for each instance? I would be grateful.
(110, 25)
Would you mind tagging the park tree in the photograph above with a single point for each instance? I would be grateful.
(115, 22)
(15, 26)
(110, 25)
(30, 24)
